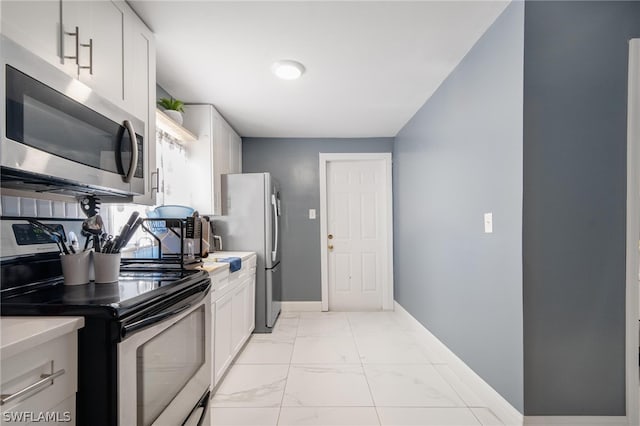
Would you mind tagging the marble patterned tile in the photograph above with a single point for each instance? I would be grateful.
(324, 326)
(328, 416)
(250, 385)
(327, 385)
(266, 350)
(325, 350)
(323, 315)
(396, 348)
(289, 315)
(285, 328)
(245, 416)
(367, 323)
(486, 416)
(418, 385)
(419, 416)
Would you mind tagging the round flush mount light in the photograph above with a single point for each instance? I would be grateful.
(287, 69)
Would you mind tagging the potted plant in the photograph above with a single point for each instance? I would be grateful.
(173, 108)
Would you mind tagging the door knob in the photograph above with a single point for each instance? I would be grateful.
(330, 247)
(330, 236)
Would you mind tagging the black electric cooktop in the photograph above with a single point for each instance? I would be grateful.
(133, 291)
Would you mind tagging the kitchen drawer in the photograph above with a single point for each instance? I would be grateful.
(26, 368)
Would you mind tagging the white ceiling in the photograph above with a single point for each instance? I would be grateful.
(370, 65)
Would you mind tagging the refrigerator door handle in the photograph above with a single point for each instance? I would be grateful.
(274, 204)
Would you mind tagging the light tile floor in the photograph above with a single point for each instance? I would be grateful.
(350, 369)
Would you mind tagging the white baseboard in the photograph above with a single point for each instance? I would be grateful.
(301, 306)
(576, 420)
(493, 400)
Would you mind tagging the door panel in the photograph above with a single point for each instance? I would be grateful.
(357, 241)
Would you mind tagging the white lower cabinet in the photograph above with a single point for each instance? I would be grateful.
(233, 314)
(39, 379)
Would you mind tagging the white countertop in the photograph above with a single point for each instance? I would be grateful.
(244, 255)
(19, 334)
(210, 264)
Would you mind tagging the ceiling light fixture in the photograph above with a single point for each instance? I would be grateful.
(287, 69)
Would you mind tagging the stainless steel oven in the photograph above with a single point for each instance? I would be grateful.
(144, 353)
(165, 367)
(59, 135)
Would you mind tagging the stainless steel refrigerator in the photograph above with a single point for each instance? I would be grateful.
(250, 221)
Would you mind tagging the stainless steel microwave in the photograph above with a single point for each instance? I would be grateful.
(59, 136)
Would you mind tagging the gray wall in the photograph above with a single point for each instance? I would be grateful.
(459, 157)
(294, 163)
(574, 205)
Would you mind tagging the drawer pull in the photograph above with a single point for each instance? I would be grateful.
(45, 381)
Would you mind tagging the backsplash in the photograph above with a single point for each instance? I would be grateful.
(32, 207)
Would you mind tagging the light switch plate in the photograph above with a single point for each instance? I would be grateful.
(488, 223)
(312, 213)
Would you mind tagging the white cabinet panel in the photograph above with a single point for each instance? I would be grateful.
(140, 96)
(222, 354)
(216, 152)
(238, 330)
(250, 302)
(101, 49)
(36, 26)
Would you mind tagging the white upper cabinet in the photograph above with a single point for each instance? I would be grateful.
(102, 43)
(36, 26)
(93, 40)
(89, 40)
(217, 151)
(140, 95)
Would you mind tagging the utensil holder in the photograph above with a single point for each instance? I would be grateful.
(75, 268)
(107, 267)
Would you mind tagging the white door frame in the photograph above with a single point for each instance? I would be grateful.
(387, 283)
(633, 233)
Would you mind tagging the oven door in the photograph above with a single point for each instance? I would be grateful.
(164, 367)
(56, 129)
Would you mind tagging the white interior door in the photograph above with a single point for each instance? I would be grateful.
(357, 241)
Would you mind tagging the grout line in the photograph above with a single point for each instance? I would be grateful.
(286, 381)
(364, 373)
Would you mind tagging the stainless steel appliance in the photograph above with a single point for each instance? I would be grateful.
(251, 222)
(59, 136)
(144, 354)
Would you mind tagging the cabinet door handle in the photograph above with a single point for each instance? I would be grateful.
(90, 46)
(45, 381)
(157, 187)
(76, 35)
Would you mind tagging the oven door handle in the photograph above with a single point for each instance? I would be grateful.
(153, 319)
(203, 407)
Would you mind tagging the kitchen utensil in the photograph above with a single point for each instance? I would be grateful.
(131, 232)
(90, 205)
(120, 243)
(56, 236)
(132, 219)
(74, 246)
(93, 227)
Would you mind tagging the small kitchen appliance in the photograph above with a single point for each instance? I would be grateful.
(59, 136)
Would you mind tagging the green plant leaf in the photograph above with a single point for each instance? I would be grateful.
(171, 104)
